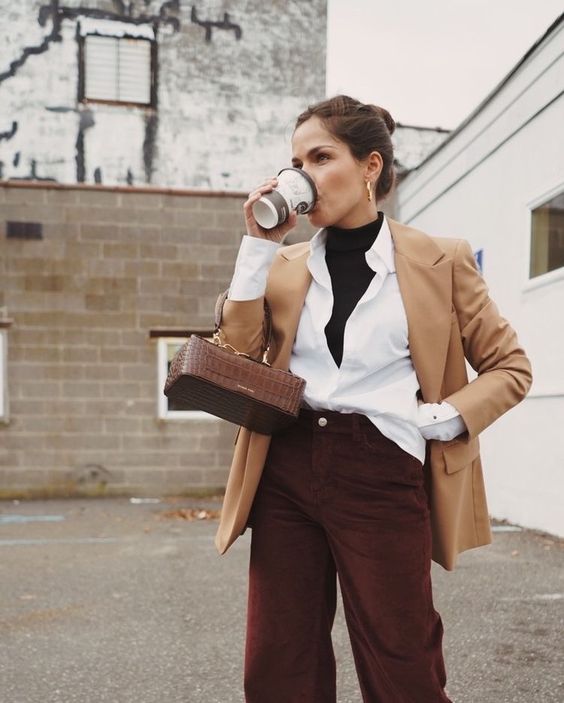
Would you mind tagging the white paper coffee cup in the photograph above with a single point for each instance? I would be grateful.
(295, 191)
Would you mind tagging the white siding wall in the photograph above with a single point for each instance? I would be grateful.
(482, 186)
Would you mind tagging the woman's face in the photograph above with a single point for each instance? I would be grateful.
(339, 177)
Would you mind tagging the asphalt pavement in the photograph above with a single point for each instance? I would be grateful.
(119, 601)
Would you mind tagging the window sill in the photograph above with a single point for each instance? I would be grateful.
(544, 279)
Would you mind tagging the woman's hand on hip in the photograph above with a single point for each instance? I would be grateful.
(276, 234)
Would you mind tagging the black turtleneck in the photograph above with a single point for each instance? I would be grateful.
(345, 251)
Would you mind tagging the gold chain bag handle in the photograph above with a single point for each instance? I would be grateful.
(267, 323)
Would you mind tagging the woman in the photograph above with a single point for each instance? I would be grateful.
(381, 472)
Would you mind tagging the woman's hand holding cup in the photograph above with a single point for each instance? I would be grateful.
(276, 234)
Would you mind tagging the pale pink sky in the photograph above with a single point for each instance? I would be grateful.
(429, 62)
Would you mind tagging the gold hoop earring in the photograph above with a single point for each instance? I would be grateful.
(369, 190)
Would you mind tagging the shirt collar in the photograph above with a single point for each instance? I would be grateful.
(382, 250)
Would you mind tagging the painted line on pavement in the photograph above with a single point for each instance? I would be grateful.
(10, 519)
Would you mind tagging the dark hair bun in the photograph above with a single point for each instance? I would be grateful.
(385, 115)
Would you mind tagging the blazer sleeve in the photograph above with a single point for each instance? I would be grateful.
(491, 347)
(243, 322)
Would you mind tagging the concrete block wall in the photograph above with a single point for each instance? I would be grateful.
(113, 265)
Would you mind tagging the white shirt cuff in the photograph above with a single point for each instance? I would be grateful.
(251, 268)
(439, 421)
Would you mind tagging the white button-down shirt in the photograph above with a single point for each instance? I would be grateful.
(376, 376)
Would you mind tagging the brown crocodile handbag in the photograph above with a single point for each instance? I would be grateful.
(218, 379)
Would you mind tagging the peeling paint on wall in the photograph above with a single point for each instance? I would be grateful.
(112, 28)
(86, 121)
(56, 13)
(10, 133)
(208, 25)
(149, 144)
(28, 51)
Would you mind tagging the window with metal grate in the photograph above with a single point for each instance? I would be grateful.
(117, 69)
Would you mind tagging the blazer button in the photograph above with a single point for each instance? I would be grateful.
(322, 422)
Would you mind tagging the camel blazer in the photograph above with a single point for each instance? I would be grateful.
(450, 317)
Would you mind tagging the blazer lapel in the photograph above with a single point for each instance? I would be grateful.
(424, 276)
(286, 291)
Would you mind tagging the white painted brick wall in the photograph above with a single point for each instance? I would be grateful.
(225, 107)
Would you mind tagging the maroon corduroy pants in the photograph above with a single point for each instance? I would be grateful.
(338, 498)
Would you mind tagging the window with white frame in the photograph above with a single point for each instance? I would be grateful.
(116, 62)
(167, 408)
(547, 236)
